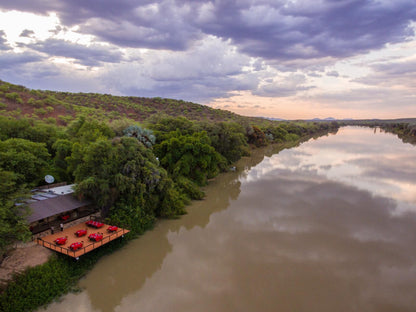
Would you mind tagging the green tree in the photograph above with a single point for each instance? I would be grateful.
(145, 136)
(28, 160)
(124, 173)
(62, 149)
(88, 130)
(228, 139)
(163, 126)
(13, 224)
(190, 156)
(279, 133)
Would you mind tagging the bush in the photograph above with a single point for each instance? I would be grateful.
(40, 111)
(15, 97)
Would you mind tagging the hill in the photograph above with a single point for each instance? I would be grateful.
(19, 101)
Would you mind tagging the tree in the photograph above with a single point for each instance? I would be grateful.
(164, 126)
(256, 136)
(13, 223)
(190, 156)
(28, 160)
(228, 139)
(89, 130)
(62, 149)
(144, 136)
(124, 173)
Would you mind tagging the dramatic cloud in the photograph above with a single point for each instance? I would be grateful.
(332, 54)
(10, 60)
(283, 87)
(303, 29)
(212, 68)
(271, 29)
(85, 55)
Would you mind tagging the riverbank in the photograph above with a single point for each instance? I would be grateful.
(24, 256)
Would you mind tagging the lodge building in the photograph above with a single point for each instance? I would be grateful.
(53, 205)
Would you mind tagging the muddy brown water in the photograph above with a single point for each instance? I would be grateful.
(329, 225)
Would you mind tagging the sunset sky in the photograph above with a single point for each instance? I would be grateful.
(292, 59)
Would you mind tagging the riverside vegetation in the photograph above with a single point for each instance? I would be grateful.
(134, 162)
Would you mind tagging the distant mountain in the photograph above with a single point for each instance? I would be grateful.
(330, 119)
(325, 119)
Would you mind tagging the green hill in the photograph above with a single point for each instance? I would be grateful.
(19, 101)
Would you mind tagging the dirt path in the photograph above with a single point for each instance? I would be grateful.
(21, 258)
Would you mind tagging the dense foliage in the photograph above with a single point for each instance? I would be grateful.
(13, 224)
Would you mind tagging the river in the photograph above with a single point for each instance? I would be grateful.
(329, 225)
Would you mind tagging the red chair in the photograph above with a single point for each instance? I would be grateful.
(95, 237)
(112, 228)
(75, 246)
(80, 233)
(61, 240)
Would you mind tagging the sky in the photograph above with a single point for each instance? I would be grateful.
(291, 59)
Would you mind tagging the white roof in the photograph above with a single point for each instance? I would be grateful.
(61, 190)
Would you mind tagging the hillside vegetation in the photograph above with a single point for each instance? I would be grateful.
(63, 107)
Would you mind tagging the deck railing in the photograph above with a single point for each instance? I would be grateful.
(86, 248)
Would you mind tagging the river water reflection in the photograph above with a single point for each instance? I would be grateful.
(327, 226)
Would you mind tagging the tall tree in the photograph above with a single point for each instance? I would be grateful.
(190, 156)
(28, 160)
(13, 211)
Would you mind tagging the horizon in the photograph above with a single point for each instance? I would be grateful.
(284, 59)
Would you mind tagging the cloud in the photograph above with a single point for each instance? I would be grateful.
(284, 87)
(58, 77)
(91, 55)
(300, 30)
(144, 24)
(333, 73)
(27, 33)
(375, 99)
(314, 74)
(162, 25)
(205, 50)
(3, 41)
(10, 60)
(210, 69)
(398, 73)
(275, 30)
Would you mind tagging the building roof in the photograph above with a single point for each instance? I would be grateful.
(48, 207)
(61, 190)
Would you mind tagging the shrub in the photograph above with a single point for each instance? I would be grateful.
(40, 111)
(15, 97)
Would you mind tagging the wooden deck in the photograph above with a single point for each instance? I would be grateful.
(48, 241)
